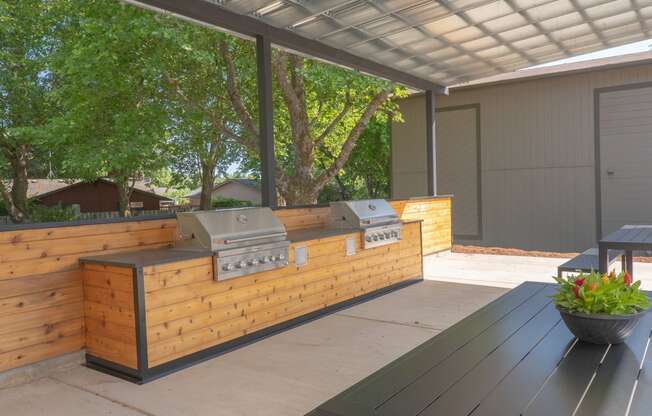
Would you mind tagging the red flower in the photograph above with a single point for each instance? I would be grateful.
(576, 289)
(612, 275)
(627, 278)
(579, 282)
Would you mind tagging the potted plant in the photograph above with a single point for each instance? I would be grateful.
(601, 309)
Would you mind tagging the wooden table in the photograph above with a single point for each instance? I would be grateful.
(627, 238)
(513, 357)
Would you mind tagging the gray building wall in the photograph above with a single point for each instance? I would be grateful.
(537, 156)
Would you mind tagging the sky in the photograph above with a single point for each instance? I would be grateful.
(642, 46)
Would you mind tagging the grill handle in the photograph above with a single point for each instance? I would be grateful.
(256, 237)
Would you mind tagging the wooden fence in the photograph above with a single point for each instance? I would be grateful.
(41, 294)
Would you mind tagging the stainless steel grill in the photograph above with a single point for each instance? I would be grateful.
(243, 240)
(378, 220)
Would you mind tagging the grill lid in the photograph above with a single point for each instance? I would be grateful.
(229, 227)
(363, 213)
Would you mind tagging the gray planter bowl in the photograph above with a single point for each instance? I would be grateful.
(601, 328)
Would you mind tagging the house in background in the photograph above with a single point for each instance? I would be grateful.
(241, 189)
(547, 158)
(98, 196)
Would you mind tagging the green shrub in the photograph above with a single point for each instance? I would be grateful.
(56, 213)
(3, 209)
(596, 293)
(222, 202)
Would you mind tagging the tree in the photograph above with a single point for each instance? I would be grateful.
(26, 43)
(204, 125)
(368, 164)
(108, 70)
(324, 108)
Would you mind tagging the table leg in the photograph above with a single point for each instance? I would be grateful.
(603, 259)
(629, 260)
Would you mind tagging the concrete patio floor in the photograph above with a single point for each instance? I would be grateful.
(287, 374)
(292, 372)
(506, 271)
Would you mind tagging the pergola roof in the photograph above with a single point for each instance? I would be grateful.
(452, 41)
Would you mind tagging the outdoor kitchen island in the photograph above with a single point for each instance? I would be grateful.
(153, 312)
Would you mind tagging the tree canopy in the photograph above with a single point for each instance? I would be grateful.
(106, 89)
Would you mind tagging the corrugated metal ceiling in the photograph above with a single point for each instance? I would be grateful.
(450, 42)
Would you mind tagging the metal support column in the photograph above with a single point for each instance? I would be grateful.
(266, 117)
(431, 144)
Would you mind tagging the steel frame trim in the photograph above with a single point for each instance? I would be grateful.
(266, 121)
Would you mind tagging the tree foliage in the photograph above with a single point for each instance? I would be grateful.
(108, 72)
(121, 92)
(26, 43)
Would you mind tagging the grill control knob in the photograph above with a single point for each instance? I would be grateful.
(253, 262)
(375, 237)
(264, 259)
(381, 236)
(394, 234)
(387, 234)
(228, 267)
(241, 265)
(368, 239)
(280, 257)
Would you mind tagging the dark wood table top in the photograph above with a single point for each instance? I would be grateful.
(634, 237)
(512, 357)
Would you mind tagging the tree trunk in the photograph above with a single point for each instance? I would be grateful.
(207, 184)
(15, 198)
(345, 195)
(124, 196)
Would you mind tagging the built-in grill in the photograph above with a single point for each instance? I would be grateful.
(378, 220)
(243, 240)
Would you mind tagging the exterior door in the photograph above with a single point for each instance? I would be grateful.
(458, 167)
(625, 169)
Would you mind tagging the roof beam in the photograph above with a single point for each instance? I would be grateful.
(481, 27)
(391, 45)
(214, 15)
(462, 50)
(596, 30)
(640, 17)
(526, 15)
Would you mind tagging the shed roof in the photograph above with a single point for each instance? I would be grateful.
(41, 187)
(454, 41)
(251, 183)
(601, 64)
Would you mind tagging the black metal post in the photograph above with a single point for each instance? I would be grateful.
(266, 117)
(431, 145)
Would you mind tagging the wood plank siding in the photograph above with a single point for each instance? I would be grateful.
(42, 300)
(538, 188)
(436, 216)
(109, 313)
(187, 317)
(41, 295)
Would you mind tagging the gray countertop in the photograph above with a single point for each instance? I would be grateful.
(145, 258)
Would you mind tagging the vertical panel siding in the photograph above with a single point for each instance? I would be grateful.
(537, 156)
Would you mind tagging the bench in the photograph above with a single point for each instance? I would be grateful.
(588, 260)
